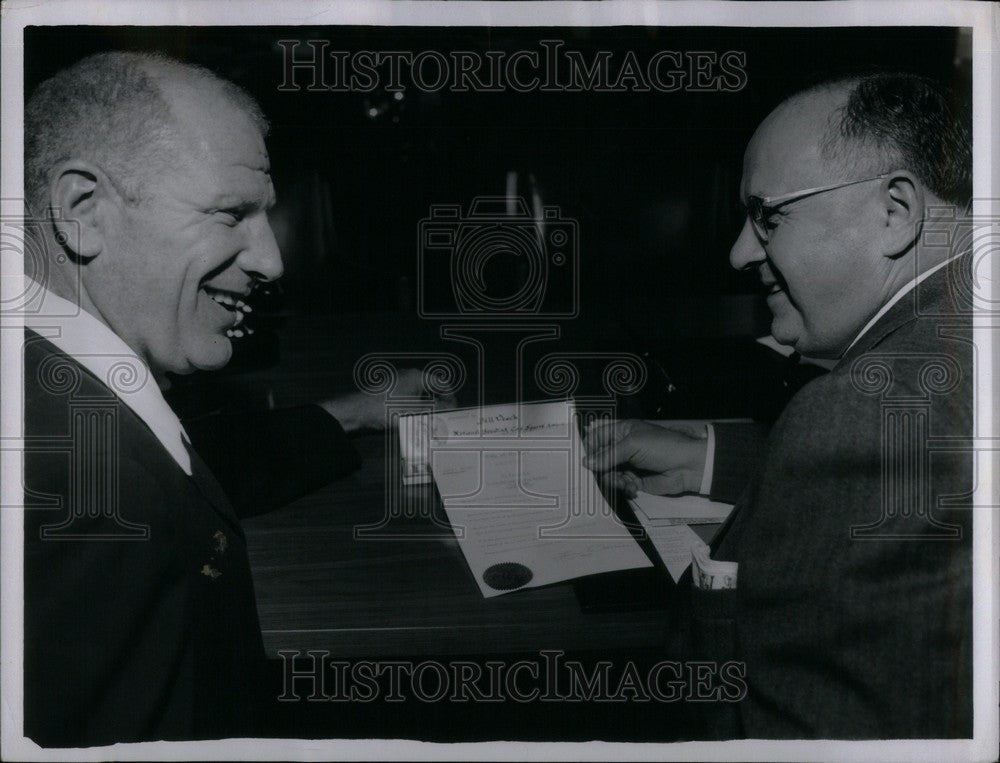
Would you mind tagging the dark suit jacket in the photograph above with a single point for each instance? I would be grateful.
(853, 607)
(140, 617)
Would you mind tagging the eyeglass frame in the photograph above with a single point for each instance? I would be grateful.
(758, 205)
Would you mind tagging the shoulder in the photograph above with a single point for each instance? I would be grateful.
(74, 421)
(924, 364)
(52, 377)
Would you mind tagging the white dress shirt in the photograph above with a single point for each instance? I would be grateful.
(102, 352)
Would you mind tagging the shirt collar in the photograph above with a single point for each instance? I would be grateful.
(102, 352)
(910, 286)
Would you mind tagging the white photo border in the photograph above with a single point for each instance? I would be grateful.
(983, 18)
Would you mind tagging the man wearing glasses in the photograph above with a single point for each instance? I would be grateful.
(849, 546)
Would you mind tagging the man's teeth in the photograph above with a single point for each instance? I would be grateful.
(236, 306)
(224, 298)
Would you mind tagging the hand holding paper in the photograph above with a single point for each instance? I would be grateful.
(658, 459)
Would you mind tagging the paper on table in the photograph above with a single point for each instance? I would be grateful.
(673, 543)
(525, 510)
(680, 509)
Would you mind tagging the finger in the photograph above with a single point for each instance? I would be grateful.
(669, 483)
(610, 481)
(610, 456)
(598, 434)
(601, 423)
(615, 482)
(632, 484)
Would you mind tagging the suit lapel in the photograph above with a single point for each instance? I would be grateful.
(201, 475)
(740, 507)
(931, 297)
(211, 490)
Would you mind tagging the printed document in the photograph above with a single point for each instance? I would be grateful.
(525, 510)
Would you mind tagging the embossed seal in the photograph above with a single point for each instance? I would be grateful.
(507, 576)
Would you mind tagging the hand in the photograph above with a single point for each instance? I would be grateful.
(360, 410)
(660, 460)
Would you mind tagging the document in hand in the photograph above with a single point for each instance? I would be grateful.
(525, 510)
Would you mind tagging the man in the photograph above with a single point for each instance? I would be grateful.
(852, 604)
(140, 617)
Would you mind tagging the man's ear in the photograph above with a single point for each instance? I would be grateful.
(78, 193)
(903, 208)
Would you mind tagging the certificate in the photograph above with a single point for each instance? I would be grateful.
(524, 509)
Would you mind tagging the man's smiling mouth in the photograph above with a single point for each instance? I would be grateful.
(772, 280)
(772, 286)
(233, 302)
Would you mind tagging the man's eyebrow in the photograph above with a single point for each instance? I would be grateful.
(245, 203)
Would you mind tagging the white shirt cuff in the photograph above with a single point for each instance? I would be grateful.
(706, 477)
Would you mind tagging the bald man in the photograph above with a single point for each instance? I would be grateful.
(851, 608)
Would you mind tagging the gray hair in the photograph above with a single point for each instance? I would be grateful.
(109, 108)
(901, 121)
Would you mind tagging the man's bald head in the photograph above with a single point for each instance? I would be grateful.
(787, 149)
(116, 110)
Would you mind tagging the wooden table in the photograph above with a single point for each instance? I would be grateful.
(321, 587)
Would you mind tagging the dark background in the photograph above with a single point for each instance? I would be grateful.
(651, 179)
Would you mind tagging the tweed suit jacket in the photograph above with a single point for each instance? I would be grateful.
(853, 606)
(140, 617)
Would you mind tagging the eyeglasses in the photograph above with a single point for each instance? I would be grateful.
(760, 208)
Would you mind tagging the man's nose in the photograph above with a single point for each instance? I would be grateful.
(261, 257)
(747, 251)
